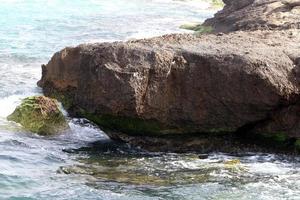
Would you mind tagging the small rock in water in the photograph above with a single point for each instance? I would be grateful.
(39, 114)
(232, 162)
(203, 156)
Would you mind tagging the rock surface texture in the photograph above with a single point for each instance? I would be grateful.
(256, 14)
(40, 115)
(180, 84)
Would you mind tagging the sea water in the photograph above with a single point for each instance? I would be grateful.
(84, 163)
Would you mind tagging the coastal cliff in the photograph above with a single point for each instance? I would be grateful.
(246, 81)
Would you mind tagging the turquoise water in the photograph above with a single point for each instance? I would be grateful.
(83, 163)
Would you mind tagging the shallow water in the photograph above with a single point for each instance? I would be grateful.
(83, 163)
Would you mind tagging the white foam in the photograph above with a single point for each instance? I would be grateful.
(268, 168)
(8, 104)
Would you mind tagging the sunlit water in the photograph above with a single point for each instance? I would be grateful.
(83, 163)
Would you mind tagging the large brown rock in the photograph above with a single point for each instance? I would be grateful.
(256, 14)
(183, 83)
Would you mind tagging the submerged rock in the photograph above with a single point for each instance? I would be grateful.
(198, 28)
(232, 162)
(39, 114)
(148, 170)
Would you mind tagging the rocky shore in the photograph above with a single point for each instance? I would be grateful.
(176, 92)
(243, 15)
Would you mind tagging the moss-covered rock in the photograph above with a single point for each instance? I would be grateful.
(271, 139)
(232, 162)
(145, 127)
(198, 28)
(217, 3)
(297, 145)
(279, 139)
(63, 98)
(129, 125)
(39, 114)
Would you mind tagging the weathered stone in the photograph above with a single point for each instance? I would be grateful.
(180, 83)
(256, 14)
(242, 81)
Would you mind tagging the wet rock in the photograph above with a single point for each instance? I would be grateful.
(143, 91)
(39, 114)
(297, 145)
(232, 162)
(178, 83)
(150, 171)
(203, 156)
(198, 28)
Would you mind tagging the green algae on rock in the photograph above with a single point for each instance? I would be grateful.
(217, 4)
(297, 145)
(127, 125)
(145, 127)
(39, 114)
(141, 171)
(198, 28)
